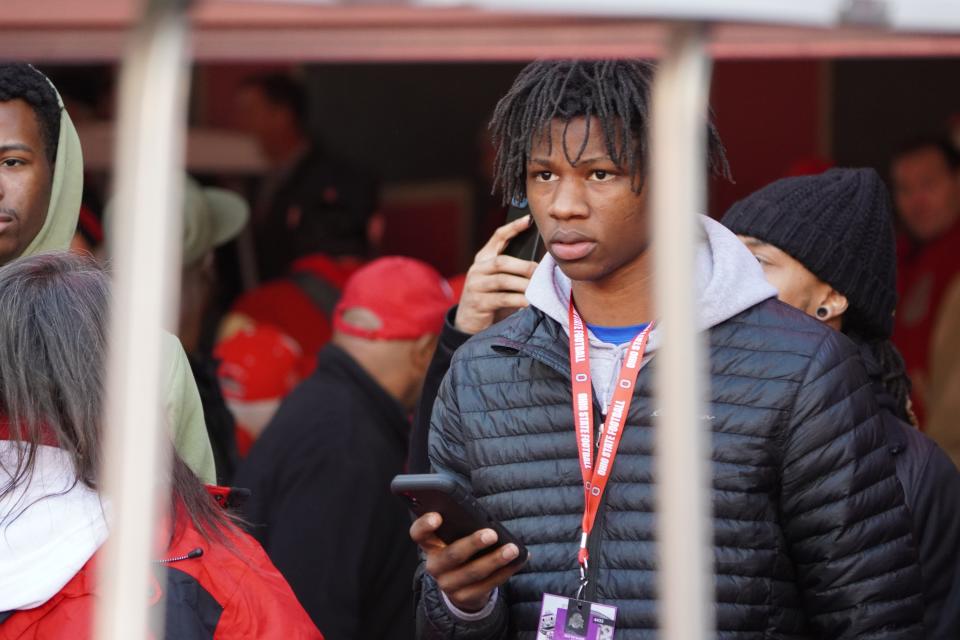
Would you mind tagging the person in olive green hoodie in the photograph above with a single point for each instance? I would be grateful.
(41, 183)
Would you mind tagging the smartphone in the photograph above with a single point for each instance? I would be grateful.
(526, 245)
(462, 514)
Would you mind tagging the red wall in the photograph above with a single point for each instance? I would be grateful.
(768, 114)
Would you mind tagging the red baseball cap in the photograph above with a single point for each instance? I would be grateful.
(258, 363)
(408, 297)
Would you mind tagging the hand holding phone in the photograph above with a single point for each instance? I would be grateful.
(467, 566)
(497, 280)
(526, 244)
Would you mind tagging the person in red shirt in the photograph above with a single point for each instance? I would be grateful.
(926, 180)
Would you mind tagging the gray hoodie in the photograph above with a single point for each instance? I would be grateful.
(729, 280)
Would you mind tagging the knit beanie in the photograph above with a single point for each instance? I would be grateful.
(838, 225)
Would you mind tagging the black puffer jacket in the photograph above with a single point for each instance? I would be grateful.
(811, 535)
(931, 487)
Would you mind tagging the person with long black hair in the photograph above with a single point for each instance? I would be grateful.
(826, 242)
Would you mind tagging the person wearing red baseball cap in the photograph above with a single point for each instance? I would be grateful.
(320, 472)
(258, 367)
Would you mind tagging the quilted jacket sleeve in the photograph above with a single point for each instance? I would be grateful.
(843, 510)
(451, 339)
(435, 621)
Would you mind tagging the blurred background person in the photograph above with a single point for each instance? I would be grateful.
(217, 581)
(926, 184)
(826, 242)
(337, 229)
(273, 109)
(320, 472)
(257, 368)
(211, 218)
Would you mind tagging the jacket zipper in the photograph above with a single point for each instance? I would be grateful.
(596, 538)
(190, 555)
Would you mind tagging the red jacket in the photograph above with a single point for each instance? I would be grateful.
(212, 592)
(924, 274)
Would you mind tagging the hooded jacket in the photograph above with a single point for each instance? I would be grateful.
(49, 528)
(811, 537)
(52, 528)
(182, 400)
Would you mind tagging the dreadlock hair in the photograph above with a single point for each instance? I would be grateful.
(894, 378)
(20, 81)
(615, 92)
(891, 372)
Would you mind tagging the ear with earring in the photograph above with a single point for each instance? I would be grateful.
(832, 307)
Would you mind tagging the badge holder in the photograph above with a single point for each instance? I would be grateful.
(563, 618)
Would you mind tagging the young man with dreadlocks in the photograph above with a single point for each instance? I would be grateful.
(811, 535)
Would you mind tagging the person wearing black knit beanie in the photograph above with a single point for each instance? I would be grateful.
(838, 226)
(826, 243)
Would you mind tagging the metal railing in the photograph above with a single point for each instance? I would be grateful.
(678, 192)
(146, 279)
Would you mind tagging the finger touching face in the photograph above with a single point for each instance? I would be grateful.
(501, 238)
(25, 178)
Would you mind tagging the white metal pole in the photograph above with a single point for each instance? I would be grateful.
(678, 172)
(146, 250)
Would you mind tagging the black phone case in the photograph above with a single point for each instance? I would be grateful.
(526, 245)
(462, 514)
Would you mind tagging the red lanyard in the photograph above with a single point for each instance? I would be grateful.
(595, 479)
